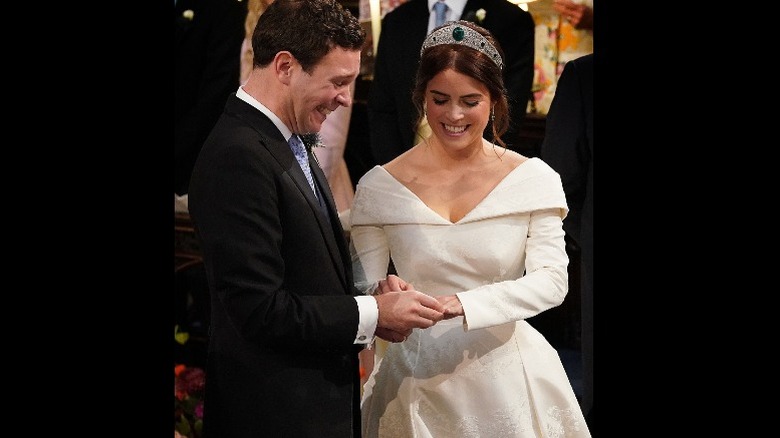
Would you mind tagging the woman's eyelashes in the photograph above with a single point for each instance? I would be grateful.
(465, 102)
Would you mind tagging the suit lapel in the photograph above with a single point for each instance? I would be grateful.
(336, 244)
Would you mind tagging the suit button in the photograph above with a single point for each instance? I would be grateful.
(361, 338)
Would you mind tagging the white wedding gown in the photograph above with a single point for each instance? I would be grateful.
(494, 376)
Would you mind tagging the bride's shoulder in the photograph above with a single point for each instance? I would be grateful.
(403, 165)
(511, 158)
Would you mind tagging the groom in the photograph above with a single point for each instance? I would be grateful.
(286, 320)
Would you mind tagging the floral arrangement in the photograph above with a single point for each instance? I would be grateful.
(188, 390)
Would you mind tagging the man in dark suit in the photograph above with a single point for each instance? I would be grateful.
(390, 109)
(568, 148)
(207, 55)
(287, 322)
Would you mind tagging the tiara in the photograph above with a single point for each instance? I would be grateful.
(455, 33)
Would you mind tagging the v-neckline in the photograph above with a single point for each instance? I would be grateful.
(482, 201)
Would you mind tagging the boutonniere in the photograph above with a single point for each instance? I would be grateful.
(311, 140)
(475, 17)
(189, 14)
(480, 15)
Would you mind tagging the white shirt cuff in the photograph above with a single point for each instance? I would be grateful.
(369, 316)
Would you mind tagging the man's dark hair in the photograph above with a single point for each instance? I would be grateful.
(308, 29)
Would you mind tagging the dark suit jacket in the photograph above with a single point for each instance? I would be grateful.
(281, 359)
(390, 108)
(568, 148)
(207, 65)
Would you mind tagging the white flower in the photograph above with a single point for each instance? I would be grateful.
(188, 14)
(480, 15)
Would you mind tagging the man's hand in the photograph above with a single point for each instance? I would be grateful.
(403, 311)
(392, 283)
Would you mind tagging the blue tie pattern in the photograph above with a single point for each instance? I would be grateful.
(441, 10)
(303, 159)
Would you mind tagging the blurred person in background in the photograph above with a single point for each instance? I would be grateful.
(568, 148)
(578, 14)
(207, 48)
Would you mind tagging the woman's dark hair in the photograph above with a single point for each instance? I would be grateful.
(470, 62)
(308, 29)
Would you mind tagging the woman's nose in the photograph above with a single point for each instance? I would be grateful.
(455, 112)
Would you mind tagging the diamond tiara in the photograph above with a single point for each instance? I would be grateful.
(455, 33)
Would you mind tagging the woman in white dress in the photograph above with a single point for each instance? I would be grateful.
(480, 228)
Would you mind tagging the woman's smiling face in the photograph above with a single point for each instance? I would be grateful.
(457, 108)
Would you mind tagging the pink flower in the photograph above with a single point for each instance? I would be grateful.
(199, 410)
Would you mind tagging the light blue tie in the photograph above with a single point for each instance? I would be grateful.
(441, 11)
(303, 159)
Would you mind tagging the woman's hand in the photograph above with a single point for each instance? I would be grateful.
(452, 306)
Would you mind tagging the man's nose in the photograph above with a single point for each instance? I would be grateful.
(344, 98)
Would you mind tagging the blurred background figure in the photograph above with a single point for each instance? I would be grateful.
(568, 148)
(255, 8)
(208, 36)
(207, 45)
(578, 14)
(334, 134)
(564, 31)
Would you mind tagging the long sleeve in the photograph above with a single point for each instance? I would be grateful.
(544, 285)
(506, 259)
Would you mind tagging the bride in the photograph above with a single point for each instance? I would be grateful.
(480, 228)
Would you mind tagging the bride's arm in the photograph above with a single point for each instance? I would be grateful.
(370, 256)
(543, 287)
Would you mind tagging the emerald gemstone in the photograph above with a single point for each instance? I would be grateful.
(458, 34)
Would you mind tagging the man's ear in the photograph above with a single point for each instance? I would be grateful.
(284, 63)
